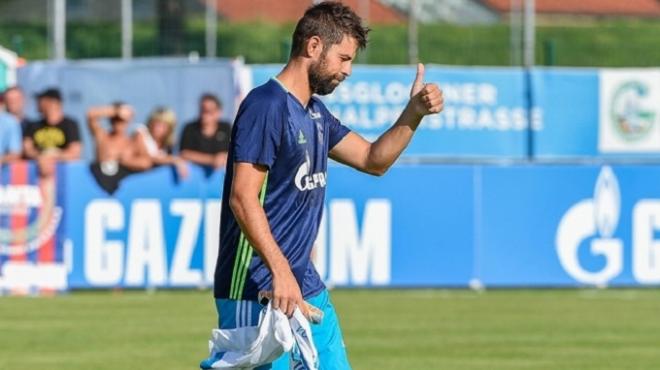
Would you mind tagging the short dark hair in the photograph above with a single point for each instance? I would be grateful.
(211, 97)
(50, 93)
(331, 21)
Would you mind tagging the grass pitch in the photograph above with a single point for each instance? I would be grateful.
(384, 329)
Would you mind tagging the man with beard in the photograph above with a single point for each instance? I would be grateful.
(276, 176)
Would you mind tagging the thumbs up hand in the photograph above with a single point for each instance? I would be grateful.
(425, 98)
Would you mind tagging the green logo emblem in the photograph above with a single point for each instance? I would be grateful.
(301, 137)
(630, 113)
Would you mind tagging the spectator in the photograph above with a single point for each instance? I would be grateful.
(154, 142)
(205, 141)
(54, 137)
(15, 104)
(10, 135)
(115, 154)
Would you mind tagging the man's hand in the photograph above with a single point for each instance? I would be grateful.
(313, 315)
(377, 157)
(425, 98)
(286, 293)
(124, 112)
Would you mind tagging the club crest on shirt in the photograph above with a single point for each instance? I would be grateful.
(301, 137)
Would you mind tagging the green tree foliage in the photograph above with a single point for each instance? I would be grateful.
(600, 44)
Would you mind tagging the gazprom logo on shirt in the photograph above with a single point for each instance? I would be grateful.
(305, 180)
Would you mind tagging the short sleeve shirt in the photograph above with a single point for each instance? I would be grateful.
(193, 139)
(59, 136)
(275, 130)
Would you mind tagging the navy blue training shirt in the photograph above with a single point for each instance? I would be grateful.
(275, 130)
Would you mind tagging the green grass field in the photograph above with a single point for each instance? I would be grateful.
(384, 329)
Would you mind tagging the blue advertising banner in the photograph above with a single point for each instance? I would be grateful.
(411, 227)
(432, 225)
(486, 109)
(581, 113)
(541, 229)
(160, 231)
(157, 230)
(569, 101)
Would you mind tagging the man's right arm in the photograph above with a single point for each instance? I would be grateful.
(250, 215)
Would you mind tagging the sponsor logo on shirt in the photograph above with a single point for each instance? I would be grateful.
(305, 180)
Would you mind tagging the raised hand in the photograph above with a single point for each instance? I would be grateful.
(425, 98)
(125, 112)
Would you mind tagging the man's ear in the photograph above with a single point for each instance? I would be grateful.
(314, 47)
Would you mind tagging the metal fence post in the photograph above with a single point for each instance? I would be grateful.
(126, 29)
(59, 29)
(211, 28)
(413, 37)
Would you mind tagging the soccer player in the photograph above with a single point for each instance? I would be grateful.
(276, 176)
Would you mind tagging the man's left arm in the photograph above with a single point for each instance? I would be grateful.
(377, 157)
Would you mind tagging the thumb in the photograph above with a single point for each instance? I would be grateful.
(418, 85)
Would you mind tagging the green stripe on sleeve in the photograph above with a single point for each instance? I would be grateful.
(243, 257)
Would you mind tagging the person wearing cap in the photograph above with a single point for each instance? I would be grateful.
(115, 157)
(10, 135)
(54, 137)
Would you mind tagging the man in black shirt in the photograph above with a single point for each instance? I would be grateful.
(205, 141)
(54, 137)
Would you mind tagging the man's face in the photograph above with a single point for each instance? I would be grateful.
(119, 125)
(333, 66)
(49, 107)
(14, 102)
(209, 111)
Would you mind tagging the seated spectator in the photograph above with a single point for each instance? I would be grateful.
(205, 141)
(115, 154)
(54, 137)
(154, 142)
(10, 135)
(15, 105)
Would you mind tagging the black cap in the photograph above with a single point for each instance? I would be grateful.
(51, 93)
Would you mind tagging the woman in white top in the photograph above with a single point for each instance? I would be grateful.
(155, 141)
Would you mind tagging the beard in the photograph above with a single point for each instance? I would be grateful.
(321, 81)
